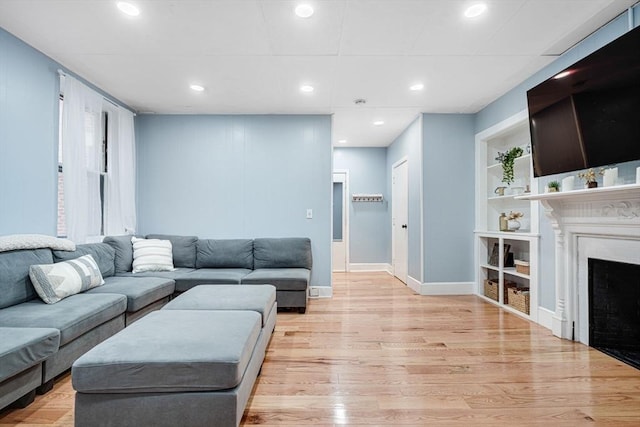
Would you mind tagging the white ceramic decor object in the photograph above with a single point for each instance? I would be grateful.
(610, 177)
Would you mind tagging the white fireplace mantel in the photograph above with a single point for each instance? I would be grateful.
(610, 213)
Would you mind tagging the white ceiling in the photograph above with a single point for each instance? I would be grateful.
(253, 55)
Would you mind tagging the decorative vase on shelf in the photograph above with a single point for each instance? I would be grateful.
(592, 184)
(503, 222)
(513, 225)
(512, 221)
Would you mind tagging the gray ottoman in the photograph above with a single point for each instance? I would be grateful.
(170, 368)
(258, 298)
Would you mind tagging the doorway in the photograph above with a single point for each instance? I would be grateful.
(340, 209)
(400, 219)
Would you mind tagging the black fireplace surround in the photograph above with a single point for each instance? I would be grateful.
(614, 309)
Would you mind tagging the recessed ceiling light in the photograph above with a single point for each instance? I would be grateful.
(128, 8)
(306, 88)
(197, 88)
(475, 10)
(562, 74)
(342, 141)
(378, 123)
(304, 10)
(417, 86)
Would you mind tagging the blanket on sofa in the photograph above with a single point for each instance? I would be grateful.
(34, 241)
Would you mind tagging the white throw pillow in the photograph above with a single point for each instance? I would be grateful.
(152, 255)
(54, 282)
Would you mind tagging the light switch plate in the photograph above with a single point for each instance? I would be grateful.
(309, 213)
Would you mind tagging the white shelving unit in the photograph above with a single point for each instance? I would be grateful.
(523, 244)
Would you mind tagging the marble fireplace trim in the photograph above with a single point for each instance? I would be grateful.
(600, 223)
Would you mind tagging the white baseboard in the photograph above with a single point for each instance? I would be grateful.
(448, 288)
(320, 292)
(545, 317)
(370, 267)
(414, 284)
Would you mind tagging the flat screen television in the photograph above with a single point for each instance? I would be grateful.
(588, 115)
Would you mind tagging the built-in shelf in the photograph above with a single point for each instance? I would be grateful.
(585, 194)
(493, 277)
(515, 235)
(490, 267)
(512, 271)
(507, 197)
(522, 159)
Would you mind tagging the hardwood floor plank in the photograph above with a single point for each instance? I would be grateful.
(377, 354)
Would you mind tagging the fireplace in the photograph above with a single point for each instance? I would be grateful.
(593, 224)
(614, 309)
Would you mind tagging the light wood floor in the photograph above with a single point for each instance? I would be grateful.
(377, 354)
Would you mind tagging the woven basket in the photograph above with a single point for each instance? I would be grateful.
(519, 299)
(508, 285)
(522, 267)
(491, 289)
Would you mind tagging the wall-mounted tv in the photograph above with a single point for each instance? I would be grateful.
(588, 115)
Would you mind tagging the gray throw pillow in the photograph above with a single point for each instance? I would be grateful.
(124, 252)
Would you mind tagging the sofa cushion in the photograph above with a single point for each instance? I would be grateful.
(72, 316)
(140, 291)
(54, 282)
(123, 252)
(15, 284)
(284, 279)
(102, 253)
(204, 276)
(258, 298)
(151, 255)
(175, 274)
(224, 253)
(172, 350)
(21, 348)
(290, 252)
(184, 248)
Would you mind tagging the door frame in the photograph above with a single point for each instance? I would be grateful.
(345, 215)
(404, 159)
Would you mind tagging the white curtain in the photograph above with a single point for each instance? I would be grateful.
(81, 146)
(120, 203)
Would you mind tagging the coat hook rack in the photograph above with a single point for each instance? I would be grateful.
(367, 197)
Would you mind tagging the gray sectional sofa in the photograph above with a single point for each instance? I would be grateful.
(39, 341)
(282, 262)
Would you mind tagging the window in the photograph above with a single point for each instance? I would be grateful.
(90, 127)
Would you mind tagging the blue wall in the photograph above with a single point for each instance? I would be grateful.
(237, 177)
(409, 144)
(28, 138)
(448, 202)
(369, 222)
(29, 97)
(515, 101)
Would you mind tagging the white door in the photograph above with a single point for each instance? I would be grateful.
(400, 219)
(339, 249)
